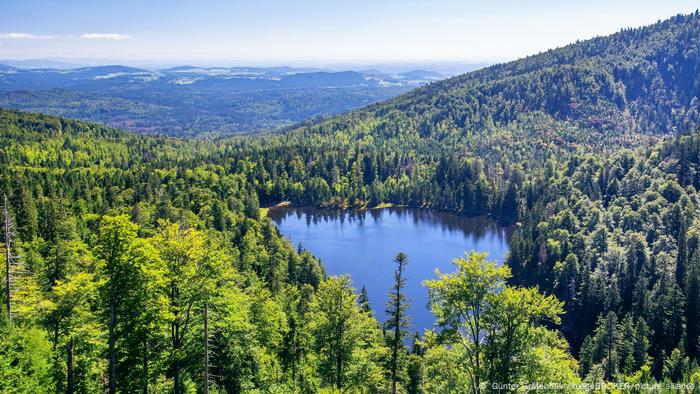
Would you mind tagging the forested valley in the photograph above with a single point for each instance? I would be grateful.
(146, 264)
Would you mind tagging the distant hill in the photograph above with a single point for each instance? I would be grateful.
(422, 74)
(188, 100)
(235, 78)
(39, 63)
(93, 72)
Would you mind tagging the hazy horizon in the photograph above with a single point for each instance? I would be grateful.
(153, 64)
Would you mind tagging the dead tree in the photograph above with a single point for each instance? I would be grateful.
(206, 348)
(10, 260)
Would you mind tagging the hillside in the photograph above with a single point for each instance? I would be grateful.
(466, 143)
(641, 80)
(613, 237)
(163, 235)
(590, 149)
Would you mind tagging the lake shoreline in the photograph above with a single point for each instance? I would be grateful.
(467, 214)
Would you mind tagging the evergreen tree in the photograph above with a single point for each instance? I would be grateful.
(397, 317)
(363, 301)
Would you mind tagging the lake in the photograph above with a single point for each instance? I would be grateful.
(363, 243)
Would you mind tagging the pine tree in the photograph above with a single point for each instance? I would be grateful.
(7, 232)
(641, 344)
(692, 313)
(363, 301)
(397, 317)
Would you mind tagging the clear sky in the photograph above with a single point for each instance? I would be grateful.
(312, 31)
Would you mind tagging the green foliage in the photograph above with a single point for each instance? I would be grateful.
(347, 340)
(25, 360)
(497, 328)
(619, 347)
(444, 371)
(630, 261)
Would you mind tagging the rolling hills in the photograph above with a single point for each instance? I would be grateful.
(189, 100)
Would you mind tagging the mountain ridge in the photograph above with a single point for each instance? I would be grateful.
(608, 90)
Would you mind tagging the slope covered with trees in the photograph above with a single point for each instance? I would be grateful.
(467, 144)
(616, 239)
(590, 149)
(142, 265)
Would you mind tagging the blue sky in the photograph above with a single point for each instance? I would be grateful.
(311, 32)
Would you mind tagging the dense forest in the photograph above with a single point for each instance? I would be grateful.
(144, 264)
(140, 265)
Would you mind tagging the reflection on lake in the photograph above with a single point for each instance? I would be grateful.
(363, 243)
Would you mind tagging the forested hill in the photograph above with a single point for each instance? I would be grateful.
(468, 144)
(165, 234)
(638, 80)
(644, 79)
(188, 101)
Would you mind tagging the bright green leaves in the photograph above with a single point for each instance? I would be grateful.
(347, 340)
(496, 328)
(25, 360)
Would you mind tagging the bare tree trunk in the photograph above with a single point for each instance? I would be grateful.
(69, 367)
(339, 369)
(177, 388)
(145, 365)
(112, 350)
(206, 348)
(395, 350)
(8, 256)
(176, 375)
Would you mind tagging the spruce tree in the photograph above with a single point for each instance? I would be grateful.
(397, 318)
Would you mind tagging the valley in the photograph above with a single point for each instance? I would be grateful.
(189, 100)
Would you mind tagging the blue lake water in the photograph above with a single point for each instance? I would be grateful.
(363, 243)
